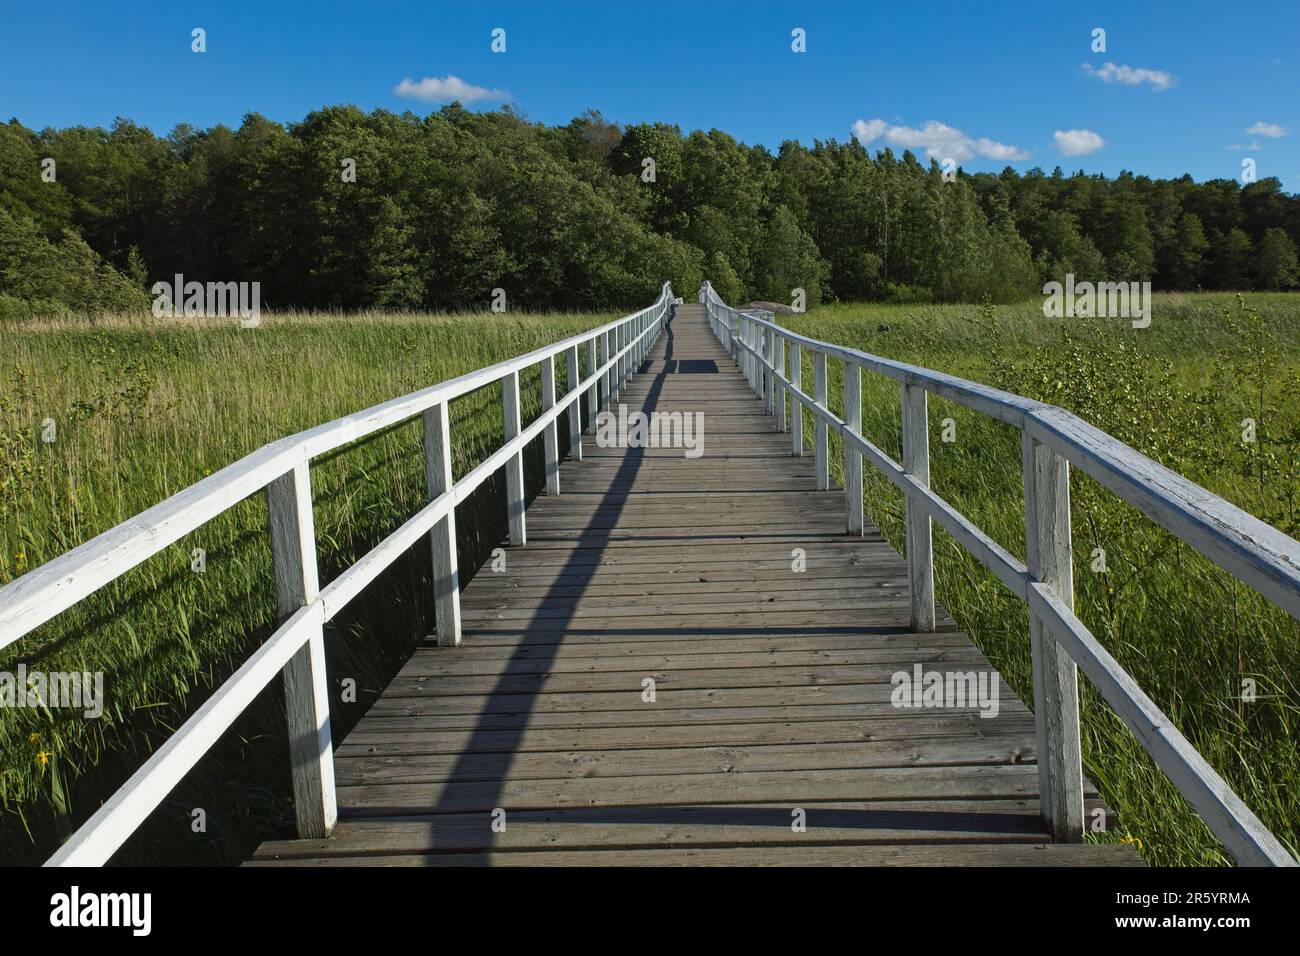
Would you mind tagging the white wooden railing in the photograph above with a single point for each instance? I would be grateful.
(297, 646)
(1052, 439)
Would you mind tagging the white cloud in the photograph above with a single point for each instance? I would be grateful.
(1251, 147)
(1077, 142)
(445, 90)
(938, 140)
(1131, 75)
(1271, 130)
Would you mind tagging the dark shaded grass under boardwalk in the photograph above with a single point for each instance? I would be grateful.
(771, 687)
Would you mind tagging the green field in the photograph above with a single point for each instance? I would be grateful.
(143, 409)
(1187, 632)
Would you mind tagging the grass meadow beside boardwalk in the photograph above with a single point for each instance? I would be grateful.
(1199, 643)
(143, 408)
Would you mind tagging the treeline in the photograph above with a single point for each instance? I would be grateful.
(349, 210)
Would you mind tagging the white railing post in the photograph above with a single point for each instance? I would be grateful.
(821, 437)
(606, 393)
(618, 361)
(593, 396)
(796, 403)
(575, 407)
(742, 338)
(306, 692)
(747, 340)
(779, 363)
(629, 338)
(550, 433)
(442, 538)
(630, 368)
(769, 361)
(612, 342)
(515, 463)
(853, 457)
(1055, 679)
(916, 463)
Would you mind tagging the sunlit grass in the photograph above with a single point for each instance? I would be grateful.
(1190, 635)
(142, 409)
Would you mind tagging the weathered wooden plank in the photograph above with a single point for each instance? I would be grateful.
(364, 769)
(403, 735)
(872, 698)
(906, 854)
(795, 788)
(630, 828)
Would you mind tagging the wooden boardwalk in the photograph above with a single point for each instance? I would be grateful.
(536, 743)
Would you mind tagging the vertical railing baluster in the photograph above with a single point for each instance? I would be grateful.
(742, 356)
(593, 393)
(821, 437)
(616, 372)
(606, 395)
(768, 360)
(747, 337)
(796, 405)
(619, 342)
(1055, 676)
(575, 407)
(779, 363)
(916, 462)
(515, 463)
(852, 456)
(442, 538)
(306, 693)
(550, 432)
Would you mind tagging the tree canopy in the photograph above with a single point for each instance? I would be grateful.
(444, 208)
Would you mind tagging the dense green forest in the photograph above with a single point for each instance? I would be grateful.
(446, 207)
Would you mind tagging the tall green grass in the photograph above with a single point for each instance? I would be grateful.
(142, 409)
(1191, 636)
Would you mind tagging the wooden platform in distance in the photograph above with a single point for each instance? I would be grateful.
(772, 687)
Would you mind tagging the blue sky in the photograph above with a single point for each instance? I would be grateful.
(1182, 87)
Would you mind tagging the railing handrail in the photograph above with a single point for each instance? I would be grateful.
(296, 646)
(28, 601)
(1241, 544)
(1253, 550)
